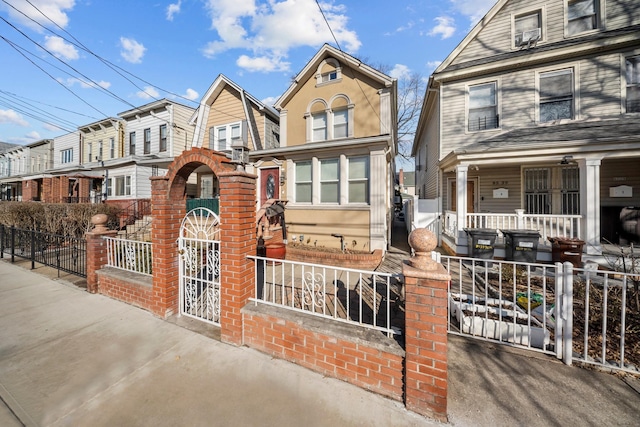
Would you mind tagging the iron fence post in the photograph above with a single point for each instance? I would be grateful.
(1, 241)
(33, 249)
(13, 244)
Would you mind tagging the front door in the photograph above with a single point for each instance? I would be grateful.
(269, 184)
(470, 196)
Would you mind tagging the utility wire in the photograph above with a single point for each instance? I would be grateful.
(347, 63)
(18, 97)
(50, 76)
(7, 101)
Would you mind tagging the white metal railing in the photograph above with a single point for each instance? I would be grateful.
(366, 298)
(547, 225)
(129, 255)
(577, 314)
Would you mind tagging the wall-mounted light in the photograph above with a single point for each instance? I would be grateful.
(566, 160)
(283, 178)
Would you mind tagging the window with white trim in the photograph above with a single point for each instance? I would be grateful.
(147, 141)
(582, 16)
(121, 186)
(319, 121)
(340, 123)
(132, 143)
(556, 95)
(483, 107)
(66, 156)
(112, 148)
(99, 150)
(329, 180)
(222, 138)
(554, 190)
(527, 28)
(303, 182)
(163, 138)
(358, 180)
(633, 84)
(89, 152)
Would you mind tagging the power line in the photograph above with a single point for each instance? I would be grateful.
(16, 96)
(11, 103)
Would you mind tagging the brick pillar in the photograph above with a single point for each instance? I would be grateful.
(63, 191)
(425, 329)
(28, 190)
(97, 250)
(238, 239)
(47, 190)
(168, 212)
(84, 190)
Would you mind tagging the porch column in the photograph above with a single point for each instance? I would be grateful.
(461, 204)
(590, 204)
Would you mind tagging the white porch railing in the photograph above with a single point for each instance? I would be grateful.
(547, 225)
(366, 298)
(129, 255)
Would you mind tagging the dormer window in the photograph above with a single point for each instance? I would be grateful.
(329, 71)
(528, 29)
(582, 16)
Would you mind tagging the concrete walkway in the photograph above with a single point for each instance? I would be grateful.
(69, 358)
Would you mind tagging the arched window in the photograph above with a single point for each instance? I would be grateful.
(328, 71)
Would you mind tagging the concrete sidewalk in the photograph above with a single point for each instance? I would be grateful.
(69, 358)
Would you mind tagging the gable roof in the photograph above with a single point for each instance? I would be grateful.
(329, 51)
(198, 118)
(471, 35)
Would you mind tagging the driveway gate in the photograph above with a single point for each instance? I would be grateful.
(199, 265)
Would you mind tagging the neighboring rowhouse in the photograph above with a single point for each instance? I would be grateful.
(338, 141)
(19, 164)
(154, 134)
(229, 117)
(538, 110)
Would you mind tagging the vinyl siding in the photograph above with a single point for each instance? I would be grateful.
(64, 142)
(226, 109)
(622, 13)
(499, 177)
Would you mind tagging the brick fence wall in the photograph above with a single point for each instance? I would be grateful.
(416, 375)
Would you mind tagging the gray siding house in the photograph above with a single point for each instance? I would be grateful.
(533, 122)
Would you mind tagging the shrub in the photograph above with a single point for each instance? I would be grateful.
(67, 219)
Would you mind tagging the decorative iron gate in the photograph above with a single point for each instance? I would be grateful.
(199, 259)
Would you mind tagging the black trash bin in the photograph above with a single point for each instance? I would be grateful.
(521, 245)
(565, 249)
(481, 242)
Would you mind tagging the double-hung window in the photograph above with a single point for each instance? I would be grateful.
(319, 131)
(340, 123)
(633, 84)
(99, 150)
(147, 141)
(582, 15)
(483, 107)
(89, 152)
(163, 138)
(132, 143)
(303, 182)
(556, 95)
(112, 148)
(123, 186)
(66, 156)
(329, 181)
(358, 180)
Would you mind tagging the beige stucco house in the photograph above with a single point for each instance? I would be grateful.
(533, 122)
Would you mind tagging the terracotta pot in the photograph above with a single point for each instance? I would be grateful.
(276, 250)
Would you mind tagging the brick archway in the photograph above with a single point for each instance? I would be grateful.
(237, 214)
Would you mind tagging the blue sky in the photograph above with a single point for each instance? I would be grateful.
(104, 57)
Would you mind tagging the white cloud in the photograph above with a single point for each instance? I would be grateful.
(51, 9)
(262, 29)
(84, 84)
(33, 135)
(400, 71)
(270, 101)
(60, 48)
(445, 27)
(148, 92)
(11, 117)
(473, 9)
(173, 9)
(191, 94)
(262, 63)
(132, 51)
(432, 65)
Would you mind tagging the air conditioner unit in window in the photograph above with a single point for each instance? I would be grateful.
(528, 37)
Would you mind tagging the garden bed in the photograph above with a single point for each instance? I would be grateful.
(330, 256)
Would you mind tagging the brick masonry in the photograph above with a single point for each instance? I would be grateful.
(416, 374)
